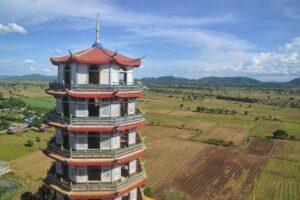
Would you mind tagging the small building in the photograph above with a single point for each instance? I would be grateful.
(4, 167)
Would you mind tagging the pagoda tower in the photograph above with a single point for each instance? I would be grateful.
(96, 148)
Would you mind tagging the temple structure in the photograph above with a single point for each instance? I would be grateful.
(96, 148)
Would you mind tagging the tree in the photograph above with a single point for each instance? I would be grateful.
(246, 112)
(148, 190)
(28, 196)
(280, 134)
(44, 193)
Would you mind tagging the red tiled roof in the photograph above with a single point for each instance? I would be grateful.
(97, 56)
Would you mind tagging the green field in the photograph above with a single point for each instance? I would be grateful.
(176, 133)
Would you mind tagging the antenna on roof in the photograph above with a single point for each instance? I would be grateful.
(97, 42)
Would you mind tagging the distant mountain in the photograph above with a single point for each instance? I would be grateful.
(171, 80)
(31, 77)
(219, 81)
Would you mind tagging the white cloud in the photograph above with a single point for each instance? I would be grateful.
(58, 50)
(29, 61)
(12, 27)
(37, 12)
(32, 69)
(46, 70)
(4, 61)
(285, 61)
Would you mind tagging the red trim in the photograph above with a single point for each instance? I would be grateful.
(130, 94)
(97, 56)
(90, 94)
(86, 128)
(109, 163)
(131, 126)
(117, 194)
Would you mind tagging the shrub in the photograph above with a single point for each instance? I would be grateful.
(38, 139)
(280, 134)
(148, 190)
(36, 123)
(29, 143)
(28, 196)
(3, 124)
(292, 137)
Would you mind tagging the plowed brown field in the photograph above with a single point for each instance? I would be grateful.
(218, 173)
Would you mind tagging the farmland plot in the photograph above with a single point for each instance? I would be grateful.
(219, 173)
(227, 132)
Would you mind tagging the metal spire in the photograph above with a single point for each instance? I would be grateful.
(97, 30)
(97, 42)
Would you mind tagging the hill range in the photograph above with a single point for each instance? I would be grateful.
(171, 80)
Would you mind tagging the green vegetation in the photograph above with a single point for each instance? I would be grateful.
(13, 147)
(219, 142)
(147, 190)
(9, 186)
(224, 116)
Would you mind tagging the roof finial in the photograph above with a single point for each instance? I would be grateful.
(97, 42)
(97, 29)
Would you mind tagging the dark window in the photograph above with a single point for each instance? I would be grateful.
(65, 104)
(65, 171)
(67, 74)
(66, 140)
(94, 173)
(93, 141)
(93, 75)
(123, 107)
(123, 77)
(93, 107)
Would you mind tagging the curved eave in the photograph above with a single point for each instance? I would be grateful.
(96, 194)
(77, 59)
(94, 162)
(58, 92)
(122, 191)
(100, 95)
(122, 127)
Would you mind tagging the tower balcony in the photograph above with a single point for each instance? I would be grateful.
(54, 148)
(94, 90)
(94, 188)
(87, 123)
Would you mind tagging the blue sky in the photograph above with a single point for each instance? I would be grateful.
(193, 39)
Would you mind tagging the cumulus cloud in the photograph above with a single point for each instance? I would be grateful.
(284, 61)
(12, 27)
(29, 61)
(32, 69)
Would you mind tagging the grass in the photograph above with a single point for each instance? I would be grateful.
(13, 146)
(270, 186)
(40, 103)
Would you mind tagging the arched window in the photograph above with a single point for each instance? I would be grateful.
(122, 76)
(93, 74)
(67, 74)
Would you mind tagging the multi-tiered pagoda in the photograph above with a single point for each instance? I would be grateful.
(96, 148)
